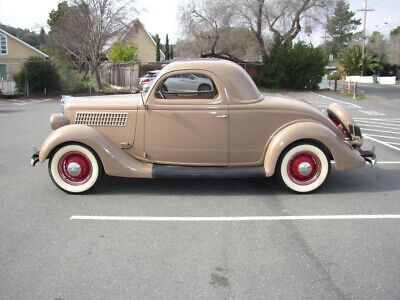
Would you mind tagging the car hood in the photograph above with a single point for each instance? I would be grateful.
(114, 102)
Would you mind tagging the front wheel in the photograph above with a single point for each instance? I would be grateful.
(75, 168)
(303, 168)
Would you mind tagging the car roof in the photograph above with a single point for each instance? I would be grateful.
(239, 85)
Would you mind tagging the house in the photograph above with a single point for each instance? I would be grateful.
(13, 54)
(146, 45)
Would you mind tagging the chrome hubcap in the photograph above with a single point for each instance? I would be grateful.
(305, 168)
(74, 169)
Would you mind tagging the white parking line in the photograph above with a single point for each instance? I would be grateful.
(381, 142)
(378, 123)
(377, 130)
(335, 100)
(230, 219)
(380, 120)
(383, 136)
(376, 126)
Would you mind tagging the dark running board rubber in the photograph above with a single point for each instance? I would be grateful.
(168, 171)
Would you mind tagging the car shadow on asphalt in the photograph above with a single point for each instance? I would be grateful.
(364, 180)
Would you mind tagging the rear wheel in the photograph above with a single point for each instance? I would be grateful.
(204, 88)
(303, 168)
(75, 168)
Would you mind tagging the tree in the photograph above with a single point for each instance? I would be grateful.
(351, 61)
(171, 54)
(340, 26)
(393, 49)
(83, 28)
(376, 45)
(166, 48)
(202, 21)
(157, 40)
(122, 52)
(55, 14)
(298, 66)
(284, 19)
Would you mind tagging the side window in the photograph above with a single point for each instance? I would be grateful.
(189, 85)
(3, 72)
(3, 44)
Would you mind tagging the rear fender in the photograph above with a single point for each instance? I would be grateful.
(116, 162)
(344, 156)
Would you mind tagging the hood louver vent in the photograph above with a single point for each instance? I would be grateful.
(101, 119)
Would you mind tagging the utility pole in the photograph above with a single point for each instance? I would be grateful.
(364, 35)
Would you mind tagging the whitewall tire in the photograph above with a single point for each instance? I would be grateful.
(303, 168)
(74, 168)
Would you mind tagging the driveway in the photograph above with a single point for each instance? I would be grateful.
(211, 239)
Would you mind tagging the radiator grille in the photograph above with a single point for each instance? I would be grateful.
(101, 119)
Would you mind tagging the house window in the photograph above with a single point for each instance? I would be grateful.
(3, 44)
(3, 72)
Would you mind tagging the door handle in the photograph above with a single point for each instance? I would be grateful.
(222, 116)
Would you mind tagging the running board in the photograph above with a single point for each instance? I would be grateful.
(168, 171)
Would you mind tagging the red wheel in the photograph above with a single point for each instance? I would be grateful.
(75, 168)
(303, 168)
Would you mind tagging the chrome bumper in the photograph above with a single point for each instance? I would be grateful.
(369, 156)
(34, 157)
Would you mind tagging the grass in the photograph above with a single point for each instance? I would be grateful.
(350, 95)
(267, 90)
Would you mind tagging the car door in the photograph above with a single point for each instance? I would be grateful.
(187, 128)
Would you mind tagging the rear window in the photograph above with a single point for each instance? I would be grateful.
(151, 74)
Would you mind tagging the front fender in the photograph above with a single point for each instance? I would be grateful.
(345, 157)
(116, 162)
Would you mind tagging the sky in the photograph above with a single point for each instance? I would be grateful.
(160, 16)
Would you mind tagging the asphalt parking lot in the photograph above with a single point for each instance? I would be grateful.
(190, 239)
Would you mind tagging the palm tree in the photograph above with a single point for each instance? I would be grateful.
(351, 62)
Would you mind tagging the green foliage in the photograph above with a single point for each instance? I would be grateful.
(55, 14)
(171, 53)
(334, 76)
(395, 32)
(29, 37)
(340, 26)
(352, 60)
(166, 48)
(298, 66)
(84, 86)
(122, 52)
(157, 40)
(40, 74)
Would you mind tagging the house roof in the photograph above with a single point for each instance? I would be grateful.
(154, 42)
(22, 42)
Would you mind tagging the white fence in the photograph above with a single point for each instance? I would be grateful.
(7, 87)
(370, 79)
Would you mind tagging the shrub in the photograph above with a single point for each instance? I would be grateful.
(334, 76)
(84, 86)
(40, 74)
(298, 66)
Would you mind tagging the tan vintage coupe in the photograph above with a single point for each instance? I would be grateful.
(201, 118)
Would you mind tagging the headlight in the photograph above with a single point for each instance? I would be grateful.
(58, 120)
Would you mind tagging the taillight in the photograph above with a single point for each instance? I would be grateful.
(147, 80)
(340, 126)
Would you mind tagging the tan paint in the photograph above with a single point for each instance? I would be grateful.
(116, 162)
(345, 157)
(189, 130)
(122, 136)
